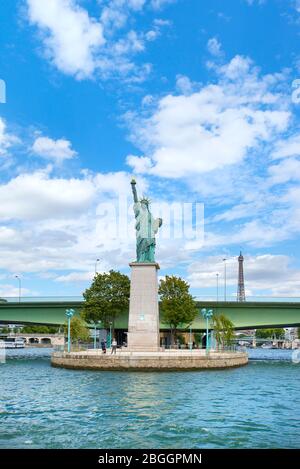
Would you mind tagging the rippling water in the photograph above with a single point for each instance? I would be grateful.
(256, 406)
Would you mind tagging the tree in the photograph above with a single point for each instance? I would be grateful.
(107, 298)
(277, 333)
(78, 330)
(198, 338)
(223, 330)
(177, 304)
(35, 329)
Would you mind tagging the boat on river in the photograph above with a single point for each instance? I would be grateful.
(13, 342)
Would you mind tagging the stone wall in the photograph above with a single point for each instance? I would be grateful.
(179, 360)
(143, 322)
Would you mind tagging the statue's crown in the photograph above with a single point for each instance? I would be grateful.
(145, 200)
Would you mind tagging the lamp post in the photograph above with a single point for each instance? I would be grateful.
(207, 314)
(96, 264)
(109, 342)
(95, 333)
(69, 313)
(20, 286)
(217, 275)
(190, 343)
(225, 280)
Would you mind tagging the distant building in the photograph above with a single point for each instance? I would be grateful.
(290, 333)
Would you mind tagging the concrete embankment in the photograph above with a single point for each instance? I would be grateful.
(159, 361)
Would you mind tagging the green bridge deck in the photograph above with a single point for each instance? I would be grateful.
(248, 315)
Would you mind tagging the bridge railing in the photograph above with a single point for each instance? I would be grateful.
(204, 298)
(39, 299)
(266, 299)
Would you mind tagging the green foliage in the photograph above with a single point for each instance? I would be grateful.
(180, 339)
(40, 329)
(78, 330)
(107, 298)
(223, 330)
(198, 338)
(277, 333)
(177, 304)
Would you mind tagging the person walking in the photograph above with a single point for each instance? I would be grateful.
(114, 346)
(103, 346)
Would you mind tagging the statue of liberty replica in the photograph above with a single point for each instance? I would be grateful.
(143, 322)
(146, 227)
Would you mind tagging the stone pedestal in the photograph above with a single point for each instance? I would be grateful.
(143, 324)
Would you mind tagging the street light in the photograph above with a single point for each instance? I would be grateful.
(225, 273)
(95, 333)
(207, 314)
(96, 263)
(20, 286)
(217, 275)
(109, 342)
(69, 313)
(190, 343)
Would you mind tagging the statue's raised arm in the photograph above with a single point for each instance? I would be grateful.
(133, 186)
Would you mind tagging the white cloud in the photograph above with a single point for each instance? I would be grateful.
(130, 43)
(140, 164)
(266, 220)
(237, 67)
(269, 273)
(237, 212)
(160, 22)
(214, 47)
(287, 147)
(10, 238)
(12, 291)
(152, 35)
(37, 196)
(79, 45)
(184, 84)
(286, 171)
(147, 100)
(57, 150)
(60, 222)
(71, 38)
(66, 223)
(157, 4)
(76, 277)
(6, 139)
(115, 14)
(114, 184)
(252, 2)
(216, 126)
(40, 196)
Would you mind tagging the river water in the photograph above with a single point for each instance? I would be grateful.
(256, 406)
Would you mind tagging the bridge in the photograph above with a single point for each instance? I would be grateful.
(36, 338)
(245, 315)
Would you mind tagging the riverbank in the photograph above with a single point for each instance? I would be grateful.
(152, 361)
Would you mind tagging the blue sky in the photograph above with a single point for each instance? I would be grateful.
(196, 99)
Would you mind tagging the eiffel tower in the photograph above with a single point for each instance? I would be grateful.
(241, 282)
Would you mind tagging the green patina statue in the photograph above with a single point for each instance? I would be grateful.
(146, 227)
